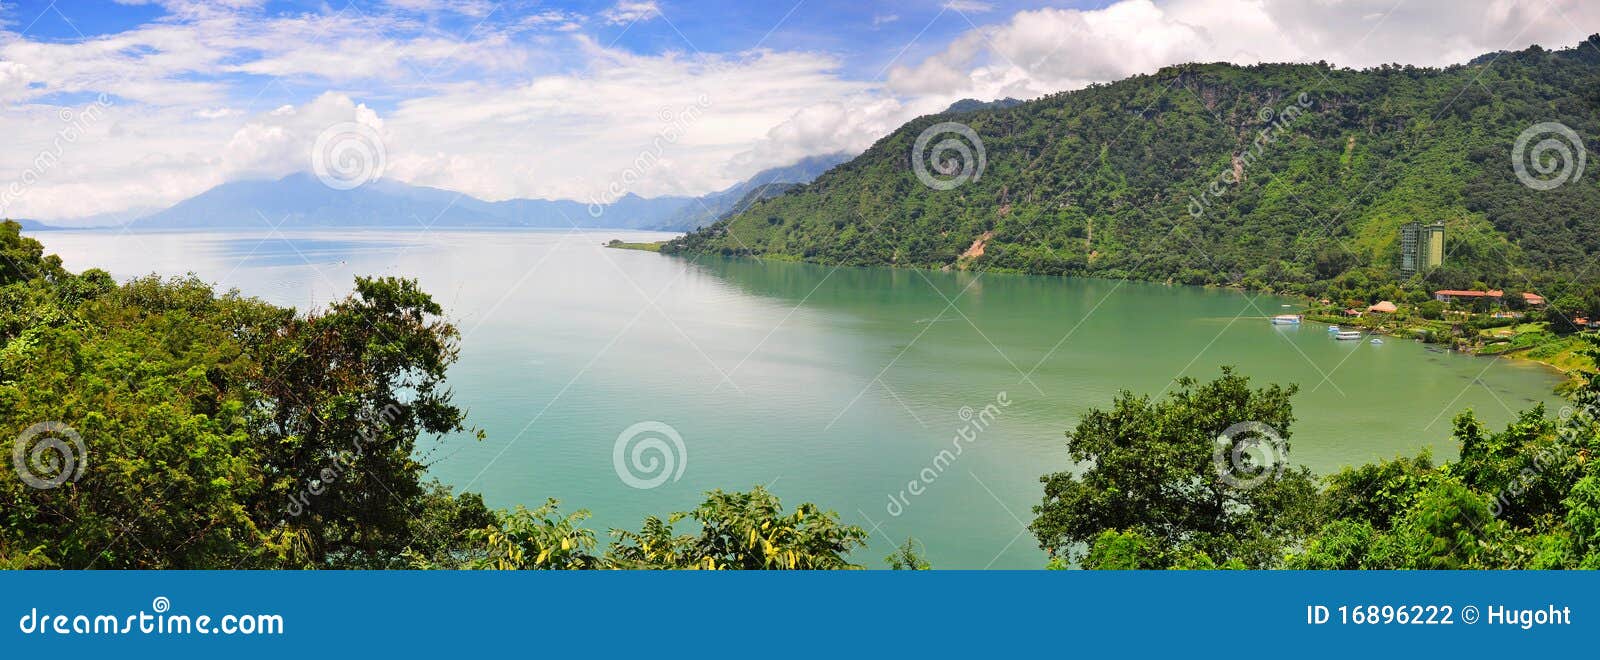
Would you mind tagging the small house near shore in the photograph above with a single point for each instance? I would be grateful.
(1384, 307)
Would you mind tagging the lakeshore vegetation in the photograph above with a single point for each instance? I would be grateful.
(221, 432)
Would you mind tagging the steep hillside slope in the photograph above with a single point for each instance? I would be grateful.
(1281, 176)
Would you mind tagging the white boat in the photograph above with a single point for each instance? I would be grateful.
(1347, 335)
(1333, 329)
(1376, 341)
(1286, 319)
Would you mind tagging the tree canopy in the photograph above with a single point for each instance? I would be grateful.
(1525, 497)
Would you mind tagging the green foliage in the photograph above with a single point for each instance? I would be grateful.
(23, 259)
(741, 531)
(1583, 519)
(736, 531)
(1151, 494)
(907, 558)
(541, 539)
(1117, 180)
(1526, 497)
(1374, 494)
(220, 431)
(1128, 550)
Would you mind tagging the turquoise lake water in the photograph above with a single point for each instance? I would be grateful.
(836, 386)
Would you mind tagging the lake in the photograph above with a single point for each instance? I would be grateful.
(831, 385)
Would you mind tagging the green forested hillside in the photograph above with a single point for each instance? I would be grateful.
(1135, 179)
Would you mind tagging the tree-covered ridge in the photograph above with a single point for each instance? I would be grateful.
(1118, 180)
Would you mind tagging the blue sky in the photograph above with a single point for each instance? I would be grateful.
(867, 37)
(133, 105)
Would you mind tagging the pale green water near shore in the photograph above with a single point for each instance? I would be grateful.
(836, 386)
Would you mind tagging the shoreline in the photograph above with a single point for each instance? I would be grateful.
(1566, 374)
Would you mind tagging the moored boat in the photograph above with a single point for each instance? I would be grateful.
(1347, 335)
(1286, 319)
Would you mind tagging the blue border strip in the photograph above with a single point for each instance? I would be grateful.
(847, 614)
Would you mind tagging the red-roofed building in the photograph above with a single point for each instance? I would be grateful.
(1454, 295)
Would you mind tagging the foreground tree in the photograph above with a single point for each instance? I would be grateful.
(742, 531)
(907, 557)
(734, 531)
(216, 431)
(1526, 497)
(1152, 493)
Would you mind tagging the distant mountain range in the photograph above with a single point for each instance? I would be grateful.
(300, 201)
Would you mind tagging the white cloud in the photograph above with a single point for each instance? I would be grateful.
(556, 19)
(1047, 50)
(884, 19)
(280, 142)
(472, 8)
(565, 135)
(14, 79)
(847, 125)
(217, 113)
(571, 135)
(174, 62)
(528, 106)
(968, 6)
(630, 11)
